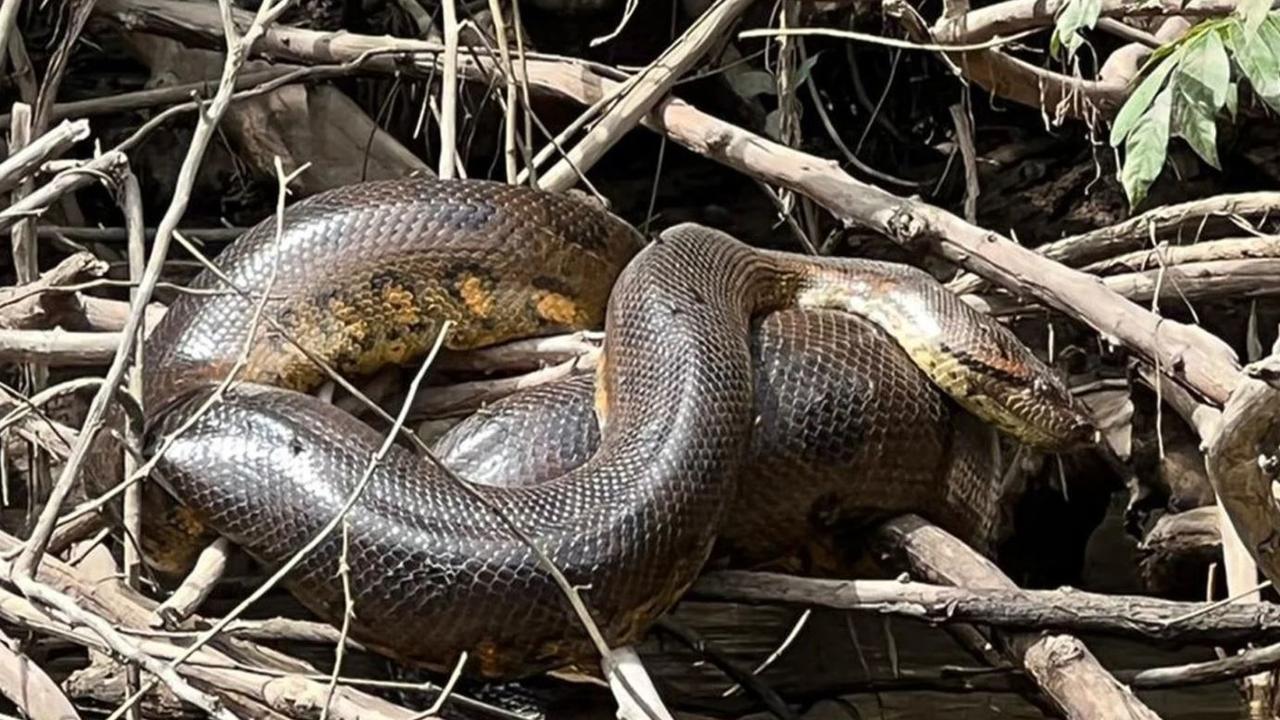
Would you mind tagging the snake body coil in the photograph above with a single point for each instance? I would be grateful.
(363, 276)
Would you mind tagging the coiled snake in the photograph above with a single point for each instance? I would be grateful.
(363, 276)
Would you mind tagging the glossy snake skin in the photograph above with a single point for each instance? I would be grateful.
(363, 276)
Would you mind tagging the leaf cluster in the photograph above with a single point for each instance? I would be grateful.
(1187, 84)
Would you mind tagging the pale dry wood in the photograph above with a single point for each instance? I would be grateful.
(1061, 665)
(643, 91)
(58, 348)
(8, 20)
(41, 198)
(524, 354)
(34, 305)
(1209, 280)
(1136, 232)
(109, 316)
(149, 98)
(1242, 248)
(1006, 18)
(126, 608)
(461, 398)
(316, 125)
(448, 167)
(105, 235)
(1242, 465)
(27, 685)
(196, 586)
(1134, 616)
(1187, 219)
(25, 161)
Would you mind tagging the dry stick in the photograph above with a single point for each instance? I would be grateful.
(64, 182)
(1012, 16)
(8, 27)
(964, 137)
(643, 91)
(58, 348)
(1060, 665)
(24, 568)
(448, 400)
(1242, 466)
(1190, 281)
(26, 261)
(26, 158)
(1134, 233)
(28, 687)
(447, 169)
(124, 608)
(509, 76)
(196, 586)
(130, 199)
(154, 97)
(64, 604)
(1213, 279)
(1132, 616)
(1036, 86)
(96, 234)
(53, 74)
(24, 74)
(50, 299)
(1242, 248)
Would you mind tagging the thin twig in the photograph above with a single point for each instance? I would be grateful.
(509, 76)
(881, 40)
(26, 563)
(643, 91)
(26, 155)
(449, 94)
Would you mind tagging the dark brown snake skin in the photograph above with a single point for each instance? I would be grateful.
(849, 431)
(363, 276)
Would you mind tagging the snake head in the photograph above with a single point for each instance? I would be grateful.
(1051, 418)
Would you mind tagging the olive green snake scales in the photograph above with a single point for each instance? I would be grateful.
(696, 323)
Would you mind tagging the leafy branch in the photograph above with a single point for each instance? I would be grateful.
(1188, 84)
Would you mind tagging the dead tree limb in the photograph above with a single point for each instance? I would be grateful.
(1066, 610)
(1060, 664)
(52, 144)
(1239, 248)
(38, 305)
(64, 182)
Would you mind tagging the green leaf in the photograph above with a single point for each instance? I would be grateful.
(1207, 67)
(1135, 107)
(773, 124)
(751, 83)
(1193, 121)
(806, 67)
(1258, 56)
(1075, 16)
(1253, 13)
(1233, 99)
(1145, 148)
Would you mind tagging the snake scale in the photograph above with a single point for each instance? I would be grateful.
(701, 329)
